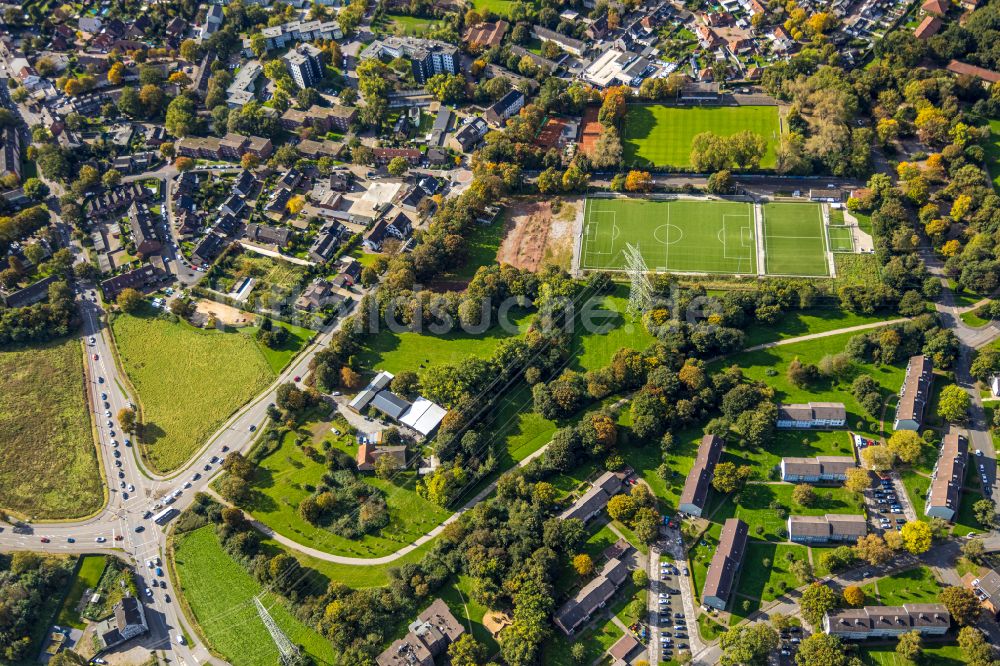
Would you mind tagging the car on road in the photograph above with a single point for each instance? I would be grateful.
(121, 474)
(100, 380)
(214, 459)
(119, 537)
(95, 357)
(979, 452)
(225, 448)
(197, 475)
(100, 539)
(187, 484)
(124, 496)
(110, 424)
(45, 539)
(207, 468)
(121, 484)
(297, 378)
(93, 339)
(159, 571)
(114, 443)
(118, 463)
(104, 396)
(117, 453)
(252, 428)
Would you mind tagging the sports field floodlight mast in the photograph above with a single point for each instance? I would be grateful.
(640, 296)
(290, 654)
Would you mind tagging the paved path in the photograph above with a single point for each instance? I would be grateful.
(826, 334)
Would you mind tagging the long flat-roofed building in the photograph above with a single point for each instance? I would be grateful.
(914, 393)
(831, 527)
(812, 415)
(695, 493)
(818, 469)
(592, 596)
(873, 622)
(725, 565)
(945, 492)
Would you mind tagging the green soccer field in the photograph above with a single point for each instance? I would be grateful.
(656, 135)
(841, 239)
(677, 236)
(794, 240)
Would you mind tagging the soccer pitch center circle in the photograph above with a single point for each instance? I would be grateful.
(668, 234)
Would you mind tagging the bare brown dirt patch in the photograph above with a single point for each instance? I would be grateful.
(535, 234)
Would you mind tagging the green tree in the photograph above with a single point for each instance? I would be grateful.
(748, 644)
(985, 512)
(953, 404)
(467, 651)
(729, 477)
(126, 418)
(398, 166)
(446, 88)
(910, 646)
(182, 118)
(35, 189)
(907, 445)
(816, 600)
(129, 300)
(962, 603)
(804, 495)
(821, 649)
(111, 178)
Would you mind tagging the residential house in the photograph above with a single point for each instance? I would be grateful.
(812, 415)
(143, 228)
(986, 589)
(935, 7)
(595, 499)
(725, 564)
(127, 622)
(568, 44)
(210, 246)
(929, 27)
(304, 65)
(113, 200)
(816, 470)
(505, 107)
(468, 135)
(592, 597)
(317, 296)
(245, 185)
(321, 118)
(268, 235)
(428, 638)
(427, 57)
(396, 226)
(290, 179)
(33, 293)
(317, 149)
(326, 242)
(988, 76)
(137, 278)
(364, 398)
(368, 454)
(695, 492)
(945, 493)
(10, 152)
(878, 622)
(386, 155)
(914, 393)
(823, 529)
(486, 35)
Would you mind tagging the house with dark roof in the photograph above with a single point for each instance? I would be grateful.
(127, 622)
(986, 588)
(364, 398)
(33, 293)
(143, 229)
(725, 564)
(948, 477)
(591, 597)
(397, 226)
(914, 393)
(209, 247)
(505, 107)
(390, 404)
(812, 415)
(843, 528)
(468, 135)
(595, 499)
(816, 470)
(695, 492)
(326, 242)
(318, 295)
(568, 44)
(427, 639)
(875, 622)
(268, 235)
(137, 278)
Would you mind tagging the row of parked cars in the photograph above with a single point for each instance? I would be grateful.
(673, 625)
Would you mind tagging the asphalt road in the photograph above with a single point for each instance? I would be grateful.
(122, 528)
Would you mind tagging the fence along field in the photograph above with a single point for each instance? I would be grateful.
(673, 236)
(707, 236)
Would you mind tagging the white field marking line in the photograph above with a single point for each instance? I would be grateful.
(666, 245)
(725, 236)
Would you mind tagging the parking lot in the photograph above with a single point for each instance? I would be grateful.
(886, 509)
(789, 645)
(670, 627)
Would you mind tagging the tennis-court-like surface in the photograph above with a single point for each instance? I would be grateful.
(795, 240)
(672, 236)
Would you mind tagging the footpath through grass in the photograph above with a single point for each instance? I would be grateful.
(284, 478)
(189, 381)
(220, 594)
(658, 135)
(48, 461)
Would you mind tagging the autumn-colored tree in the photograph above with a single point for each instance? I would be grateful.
(116, 73)
(962, 603)
(638, 181)
(692, 374)
(73, 87)
(916, 537)
(249, 161)
(129, 300)
(872, 549)
(183, 164)
(614, 106)
(858, 480)
(583, 564)
(295, 204)
(878, 458)
(349, 378)
(854, 596)
(804, 495)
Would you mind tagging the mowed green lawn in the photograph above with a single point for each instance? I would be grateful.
(397, 352)
(283, 480)
(48, 461)
(794, 240)
(88, 575)
(656, 135)
(605, 328)
(993, 153)
(220, 594)
(916, 586)
(189, 381)
(678, 236)
(934, 655)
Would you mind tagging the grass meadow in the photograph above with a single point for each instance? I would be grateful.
(657, 135)
(88, 575)
(915, 586)
(220, 594)
(283, 481)
(189, 381)
(48, 464)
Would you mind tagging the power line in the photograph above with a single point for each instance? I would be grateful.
(640, 296)
(290, 654)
